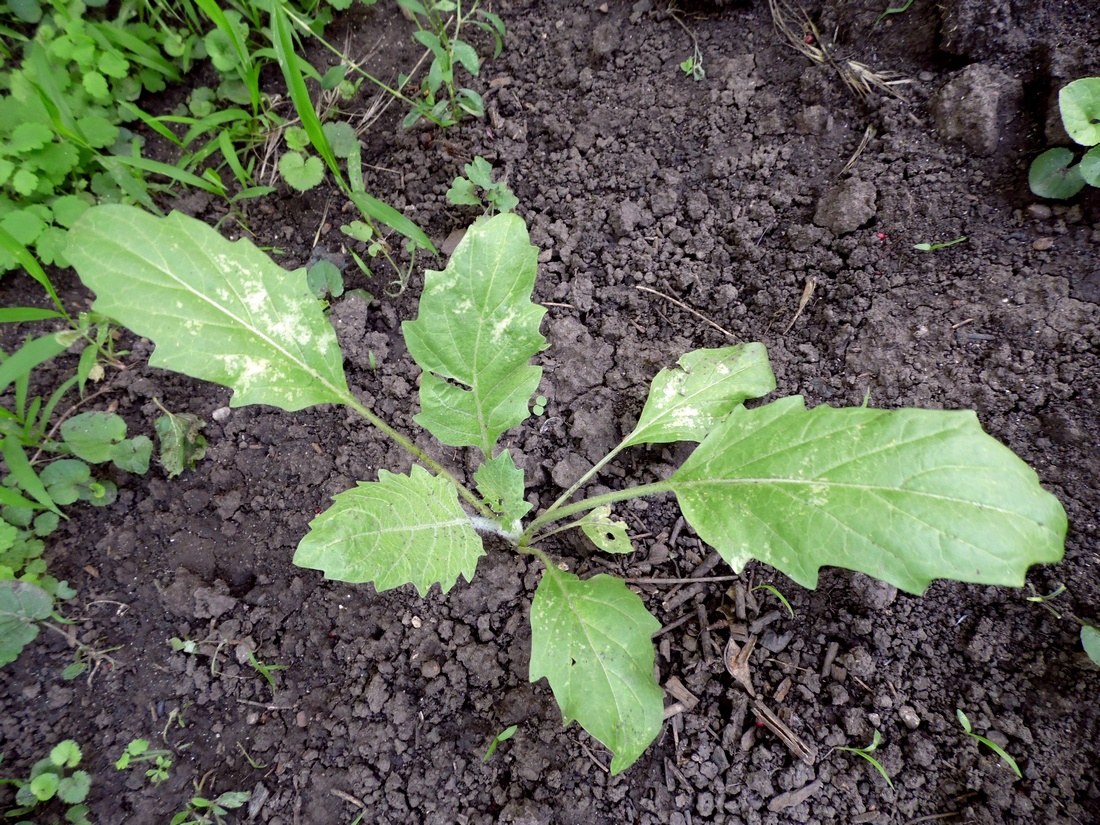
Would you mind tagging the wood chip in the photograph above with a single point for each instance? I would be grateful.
(677, 691)
(737, 662)
(799, 747)
(830, 654)
(781, 692)
(792, 798)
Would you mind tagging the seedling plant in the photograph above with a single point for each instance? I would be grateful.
(1090, 634)
(503, 736)
(494, 196)
(55, 777)
(866, 754)
(932, 247)
(796, 488)
(1054, 173)
(993, 746)
(439, 25)
(138, 752)
(203, 811)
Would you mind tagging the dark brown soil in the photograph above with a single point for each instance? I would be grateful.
(717, 194)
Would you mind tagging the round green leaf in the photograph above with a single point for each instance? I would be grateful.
(1052, 176)
(300, 172)
(66, 754)
(74, 789)
(22, 605)
(394, 531)
(96, 85)
(67, 208)
(28, 136)
(23, 225)
(92, 436)
(44, 786)
(342, 137)
(1079, 102)
(1090, 166)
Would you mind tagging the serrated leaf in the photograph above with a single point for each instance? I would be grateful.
(182, 444)
(65, 754)
(592, 640)
(907, 496)
(220, 311)
(21, 605)
(501, 484)
(341, 136)
(475, 334)
(687, 401)
(300, 172)
(74, 788)
(606, 533)
(93, 436)
(394, 531)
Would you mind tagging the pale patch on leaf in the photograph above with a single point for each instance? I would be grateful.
(687, 401)
(394, 531)
(217, 310)
(606, 533)
(592, 640)
(907, 496)
(475, 335)
(501, 483)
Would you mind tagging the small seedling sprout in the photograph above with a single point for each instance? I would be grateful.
(866, 754)
(932, 247)
(265, 670)
(894, 10)
(1037, 599)
(775, 592)
(503, 736)
(993, 746)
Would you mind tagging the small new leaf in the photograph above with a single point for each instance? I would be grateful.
(501, 483)
(686, 402)
(475, 335)
(606, 533)
(394, 531)
(592, 640)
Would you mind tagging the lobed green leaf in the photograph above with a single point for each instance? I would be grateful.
(906, 496)
(394, 531)
(475, 335)
(217, 310)
(606, 533)
(686, 402)
(592, 640)
(501, 483)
